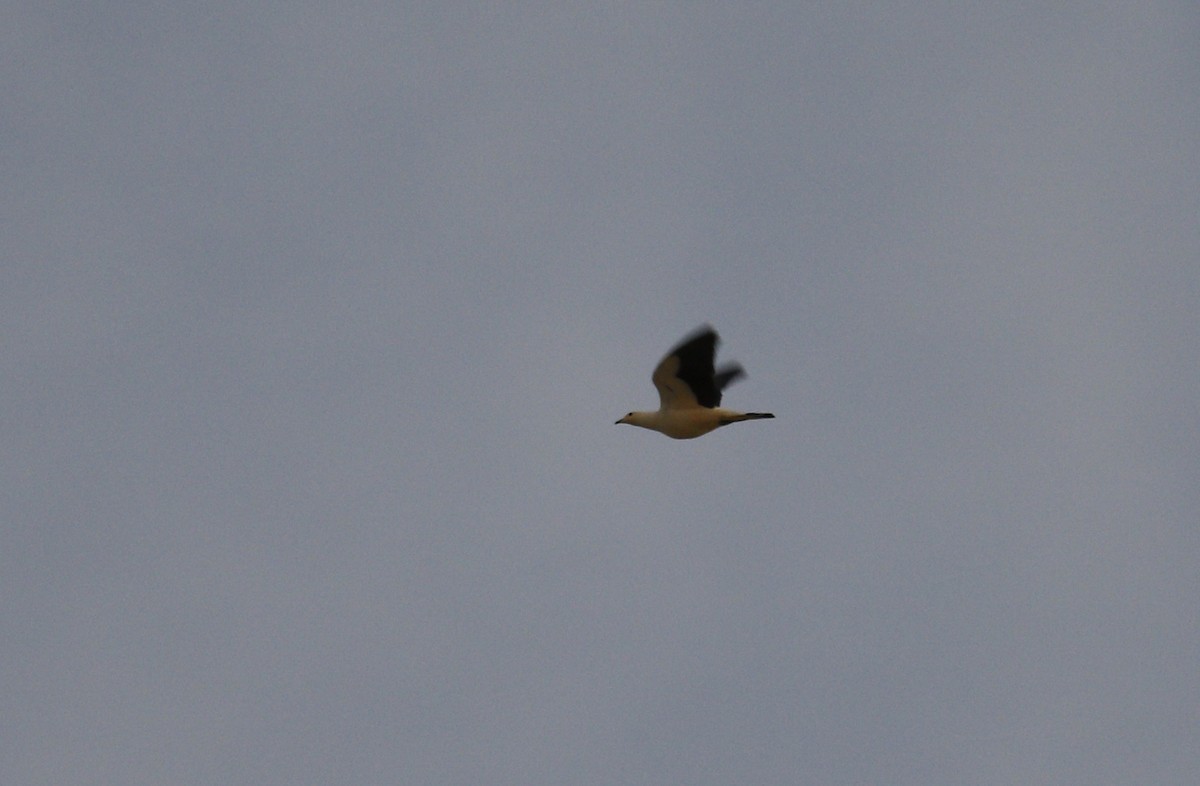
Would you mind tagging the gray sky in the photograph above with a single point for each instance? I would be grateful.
(316, 319)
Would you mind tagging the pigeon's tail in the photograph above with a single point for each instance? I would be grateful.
(740, 416)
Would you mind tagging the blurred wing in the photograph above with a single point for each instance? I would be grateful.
(685, 378)
(673, 392)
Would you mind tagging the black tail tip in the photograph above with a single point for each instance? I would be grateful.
(760, 415)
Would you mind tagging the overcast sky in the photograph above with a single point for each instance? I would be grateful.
(315, 319)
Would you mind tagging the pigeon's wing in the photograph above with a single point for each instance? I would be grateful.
(685, 378)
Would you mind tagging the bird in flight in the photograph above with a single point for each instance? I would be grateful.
(689, 391)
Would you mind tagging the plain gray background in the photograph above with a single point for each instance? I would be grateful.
(316, 319)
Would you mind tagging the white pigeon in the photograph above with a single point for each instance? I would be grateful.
(689, 391)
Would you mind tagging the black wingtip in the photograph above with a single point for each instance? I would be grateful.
(702, 332)
(728, 375)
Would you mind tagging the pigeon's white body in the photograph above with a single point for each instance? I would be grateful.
(688, 423)
(689, 391)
